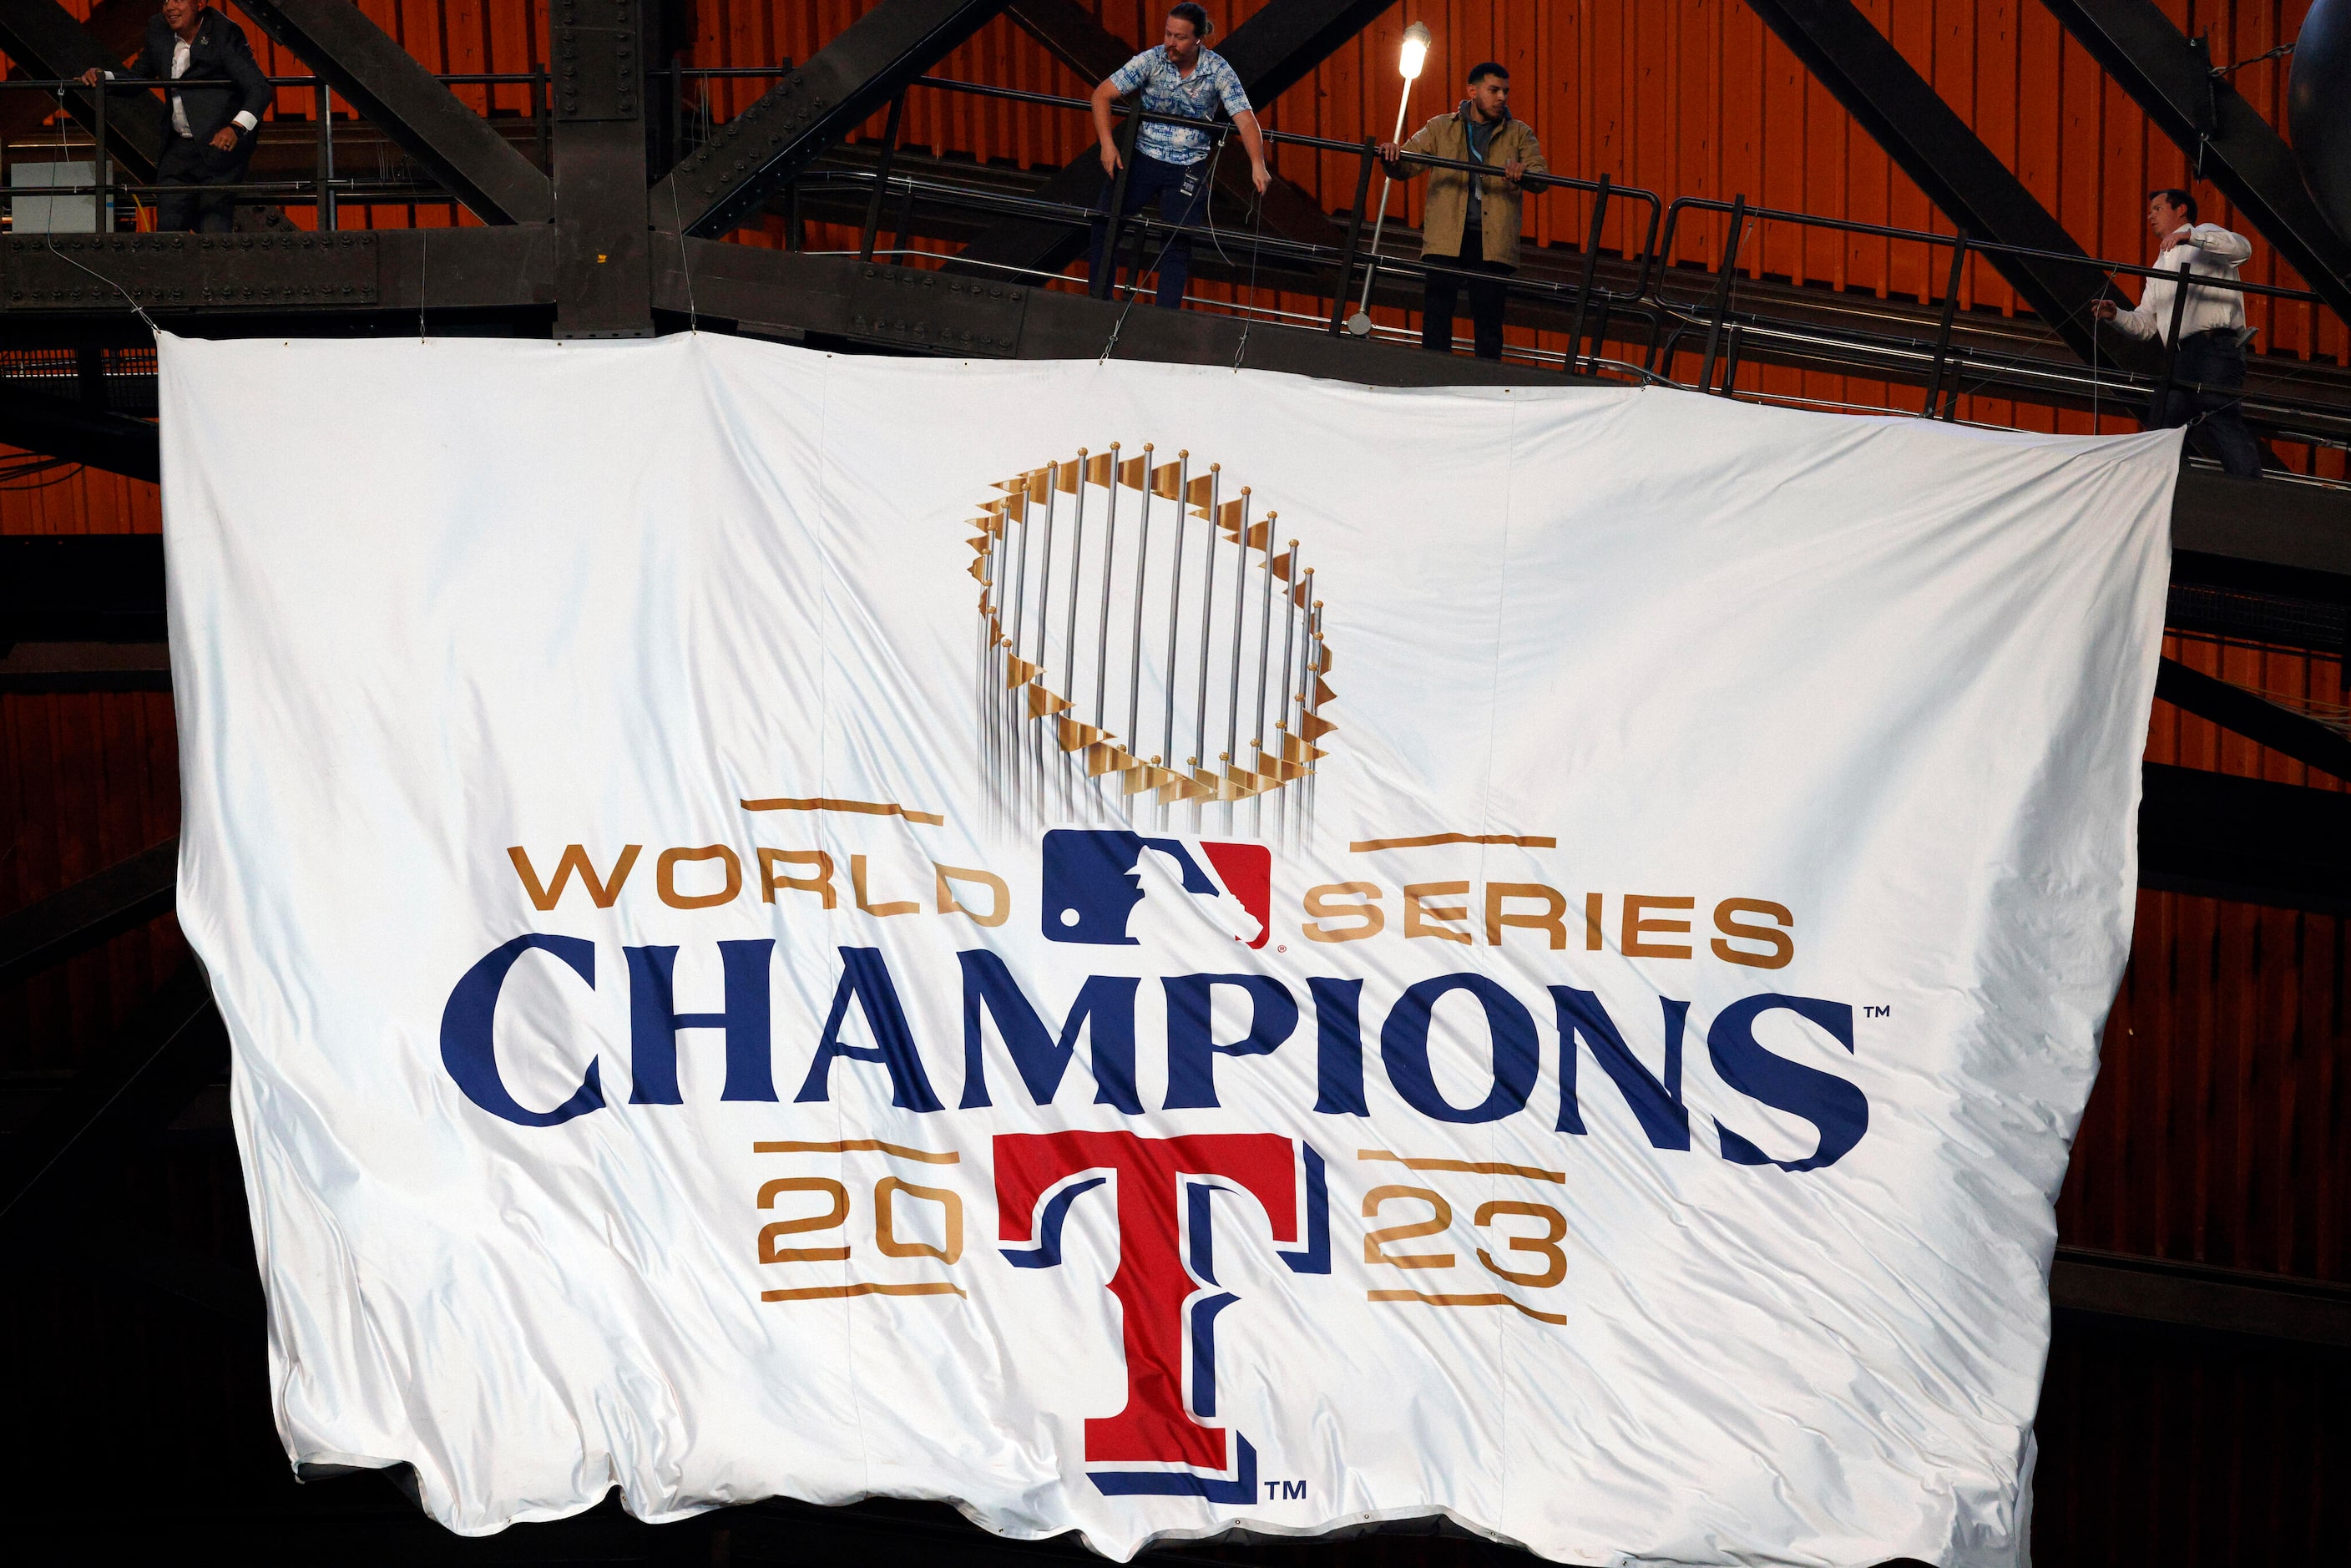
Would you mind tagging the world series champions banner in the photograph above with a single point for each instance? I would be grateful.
(1149, 950)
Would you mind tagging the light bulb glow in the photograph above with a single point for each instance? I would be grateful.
(1414, 53)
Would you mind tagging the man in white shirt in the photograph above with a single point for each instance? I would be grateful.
(2208, 372)
(213, 119)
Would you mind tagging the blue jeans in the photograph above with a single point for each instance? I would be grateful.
(2216, 360)
(1182, 190)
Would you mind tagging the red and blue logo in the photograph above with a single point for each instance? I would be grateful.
(1166, 1441)
(1112, 888)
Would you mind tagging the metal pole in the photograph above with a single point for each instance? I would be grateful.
(326, 218)
(1240, 602)
(1264, 663)
(1354, 236)
(1174, 602)
(1943, 330)
(1134, 655)
(1387, 183)
(1208, 611)
(538, 115)
(1102, 632)
(1289, 648)
(1077, 562)
(1591, 265)
(1722, 288)
(882, 183)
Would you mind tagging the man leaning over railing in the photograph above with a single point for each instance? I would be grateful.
(213, 126)
(1185, 78)
(2208, 369)
(1470, 223)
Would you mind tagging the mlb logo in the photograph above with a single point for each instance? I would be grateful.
(1113, 889)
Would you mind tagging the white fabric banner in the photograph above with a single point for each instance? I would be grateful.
(810, 925)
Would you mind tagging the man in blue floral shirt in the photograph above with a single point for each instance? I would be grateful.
(1171, 161)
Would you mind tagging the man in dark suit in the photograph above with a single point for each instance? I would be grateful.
(211, 128)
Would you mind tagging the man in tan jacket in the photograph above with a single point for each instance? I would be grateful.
(1471, 223)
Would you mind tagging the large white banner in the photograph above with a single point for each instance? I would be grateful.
(1153, 950)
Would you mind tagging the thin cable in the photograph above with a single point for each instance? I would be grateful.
(1257, 240)
(51, 233)
(1135, 292)
(685, 264)
(424, 265)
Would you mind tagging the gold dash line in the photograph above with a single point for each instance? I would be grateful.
(862, 808)
(858, 1146)
(1526, 841)
(1436, 1300)
(1473, 1167)
(839, 1293)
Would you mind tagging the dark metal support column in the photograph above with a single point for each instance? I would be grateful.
(1901, 111)
(2226, 141)
(603, 276)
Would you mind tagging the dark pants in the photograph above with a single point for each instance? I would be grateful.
(2218, 360)
(1181, 192)
(189, 166)
(1440, 292)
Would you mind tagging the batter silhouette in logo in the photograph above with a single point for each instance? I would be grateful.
(1166, 1194)
(1118, 889)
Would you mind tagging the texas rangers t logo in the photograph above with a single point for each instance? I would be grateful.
(1165, 1282)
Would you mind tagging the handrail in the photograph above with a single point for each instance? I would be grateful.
(1648, 306)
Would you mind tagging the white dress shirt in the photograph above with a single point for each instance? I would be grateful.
(180, 46)
(2210, 251)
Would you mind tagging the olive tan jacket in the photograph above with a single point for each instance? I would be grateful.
(1448, 189)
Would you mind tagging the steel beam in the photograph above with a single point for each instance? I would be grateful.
(1271, 52)
(115, 25)
(393, 90)
(171, 1047)
(82, 587)
(2246, 840)
(78, 433)
(74, 919)
(2255, 716)
(46, 39)
(1902, 113)
(43, 668)
(2235, 1301)
(754, 154)
(2226, 141)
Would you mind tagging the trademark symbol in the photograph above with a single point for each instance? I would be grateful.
(1285, 1491)
(1871, 1011)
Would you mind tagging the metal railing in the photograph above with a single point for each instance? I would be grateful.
(1643, 298)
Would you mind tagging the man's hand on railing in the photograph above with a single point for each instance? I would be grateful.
(1389, 153)
(1514, 169)
(90, 78)
(2102, 311)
